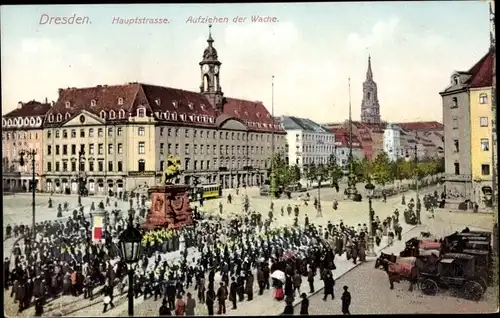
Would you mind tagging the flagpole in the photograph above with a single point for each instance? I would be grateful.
(272, 185)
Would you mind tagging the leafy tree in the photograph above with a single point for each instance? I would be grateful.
(280, 167)
(396, 169)
(310, 172)
(293, 174)
(406, 169)
(362, 169)
(381, 169)
(334, 171)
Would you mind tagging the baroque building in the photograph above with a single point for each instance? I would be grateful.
(22, 131)
(370, 108)
(128, 131)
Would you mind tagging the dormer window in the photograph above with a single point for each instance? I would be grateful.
(258, 115)
(174, 116)
(51, 118)
(236, 112)
(121, 114)
(483, 99)
(4, 122)
(190, 105)
(158, 101)
(456, 80)
(268, 115)
(246, 113)
(26, 121)
(141, 112)
(454, 102)
(67, 116)
(102, 114)
(112, 114)
(92, 103)
(67, 104)
(120, 101)
(183, 117)
(174, 103)
(32, 121)
(198, 119)
(202, 106)
(59, 117)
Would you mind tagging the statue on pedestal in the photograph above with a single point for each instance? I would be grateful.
(169, 201)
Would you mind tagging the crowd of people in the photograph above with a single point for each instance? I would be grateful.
(243, 251)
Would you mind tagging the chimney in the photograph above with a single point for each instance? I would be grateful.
(53, 103)
(19, 105)
(60, 91)
(46, 100)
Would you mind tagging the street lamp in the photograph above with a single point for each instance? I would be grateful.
(319, 177)
(30, 155)
(131, 250)
(370, 249)
(81, 155)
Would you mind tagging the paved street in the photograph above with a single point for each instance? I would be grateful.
(351, 213)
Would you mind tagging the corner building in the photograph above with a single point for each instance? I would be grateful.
(128, 131)
(22, 131)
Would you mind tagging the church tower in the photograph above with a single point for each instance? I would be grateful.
(210, 76)
(370, 108)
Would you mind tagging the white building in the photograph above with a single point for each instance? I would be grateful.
(392, 142)
(308, 142)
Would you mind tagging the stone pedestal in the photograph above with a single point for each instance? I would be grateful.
(169, 207)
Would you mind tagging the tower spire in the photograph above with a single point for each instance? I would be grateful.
(210, 40)
(369, 73)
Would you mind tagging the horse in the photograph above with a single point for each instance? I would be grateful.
(396, 272)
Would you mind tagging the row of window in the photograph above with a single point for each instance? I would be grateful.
(485, 169)
(141, 165)
(483, 99)
(91, 132)
(316, 148)
(71, 150)
(17, 135)
(170, 149)
(485, 145)
(483, 122)
(141, 131)
(20, 122)
(71, 166)
(202, 149)
(308, 137)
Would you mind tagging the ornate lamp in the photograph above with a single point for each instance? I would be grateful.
(370, 248)
(131, 249)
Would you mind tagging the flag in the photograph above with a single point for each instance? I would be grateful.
(97, 228)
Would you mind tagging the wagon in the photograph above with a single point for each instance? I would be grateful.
(478, 245)
(484, 263)
(457, 271)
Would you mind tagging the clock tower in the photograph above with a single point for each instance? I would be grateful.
(370, 108)
(210, 75)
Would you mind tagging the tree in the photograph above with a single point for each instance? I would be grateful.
(294, 174)
(397, 172)
(310, 172)
(362, 169)
(381, 169)
(281, 175)
(334, 171)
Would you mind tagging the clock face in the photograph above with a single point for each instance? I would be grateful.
(205, 68)
(216, 69)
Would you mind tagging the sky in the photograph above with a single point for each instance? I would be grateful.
(312, 51)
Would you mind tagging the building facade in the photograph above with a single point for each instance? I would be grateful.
(370, 107)
(342, 147)
(22, 131)
(466, 143)
(128, 131)
(392, 142)
(308, 142)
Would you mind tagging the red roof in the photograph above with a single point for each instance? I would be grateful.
(342, 138)
(31, 108)
(482, 72)
(421, 125)
(159, 100)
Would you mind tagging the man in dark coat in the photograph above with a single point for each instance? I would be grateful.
(209, 301)
(233, 292)
(346, 301)
(329, 283)
(304, 305)
(108, 292)
(164, 310)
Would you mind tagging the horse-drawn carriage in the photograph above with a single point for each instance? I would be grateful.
(457, 271)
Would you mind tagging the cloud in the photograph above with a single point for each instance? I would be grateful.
(381, 32)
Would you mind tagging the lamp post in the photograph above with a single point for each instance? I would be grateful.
(30, 155)
(351, 182)
(131, 250)
(81, 157)
(416, 184)
(370, 249)
(319, 177)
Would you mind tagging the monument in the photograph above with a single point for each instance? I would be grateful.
(169, 202)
